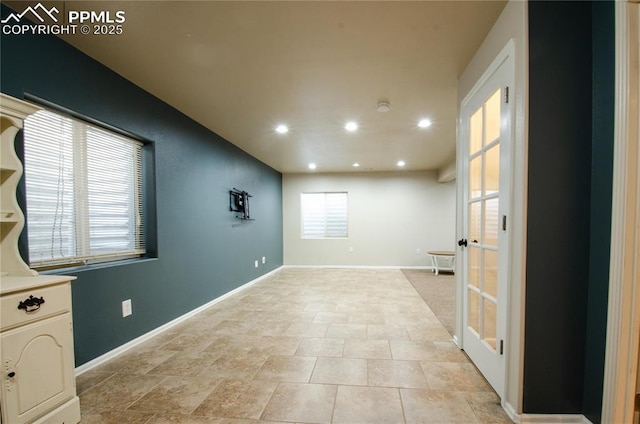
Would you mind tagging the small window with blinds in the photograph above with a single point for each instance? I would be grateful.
(324, 215)
(84, 192)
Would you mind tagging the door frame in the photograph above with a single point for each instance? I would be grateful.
(623, 320)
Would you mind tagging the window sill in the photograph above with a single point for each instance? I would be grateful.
(90, 267)
(325, 238)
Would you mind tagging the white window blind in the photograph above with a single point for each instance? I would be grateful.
(324, 215)
(84, 188)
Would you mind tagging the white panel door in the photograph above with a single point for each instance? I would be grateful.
(38, 360)
(485, 147)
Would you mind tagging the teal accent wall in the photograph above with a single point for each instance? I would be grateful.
(603, 80)
(571, 115)
(202, 251)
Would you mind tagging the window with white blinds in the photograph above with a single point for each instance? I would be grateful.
(324, 215)
(84, 192)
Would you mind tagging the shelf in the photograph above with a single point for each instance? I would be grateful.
(5, 173)
(6, 227)
(12, 114)
(8, 216)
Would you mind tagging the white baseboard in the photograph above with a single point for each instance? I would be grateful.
(456, 341)
(553, 419)
(544, 418)
(359, 267)
(123, 348)
(511, 411)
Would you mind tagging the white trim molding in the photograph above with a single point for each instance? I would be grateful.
(623, 321)
(143, 338)
(553, 419)
(358, 267)
(543, 418)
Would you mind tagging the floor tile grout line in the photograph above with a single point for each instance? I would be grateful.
(260, 417)
(404, 414)
(335, 401)
(206, 396)
(313, 370)
(148, 391)
(97, 384)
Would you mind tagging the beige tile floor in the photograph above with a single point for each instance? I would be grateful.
(347, 346)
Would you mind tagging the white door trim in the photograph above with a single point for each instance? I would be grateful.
(507, 51)
(623, 321)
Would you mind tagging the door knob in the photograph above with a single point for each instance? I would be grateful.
(462, 242)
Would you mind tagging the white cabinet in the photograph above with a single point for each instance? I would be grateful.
(37, 374)
(36, 351)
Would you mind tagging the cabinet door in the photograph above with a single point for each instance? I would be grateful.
(41, 356)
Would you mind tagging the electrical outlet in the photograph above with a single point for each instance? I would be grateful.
(351, 250)
(264, 259)
(417, 251)
(256, 264)
(126, 308)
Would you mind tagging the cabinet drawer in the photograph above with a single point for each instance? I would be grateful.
(57, 299)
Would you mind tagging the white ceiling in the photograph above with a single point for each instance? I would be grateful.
(240, 68)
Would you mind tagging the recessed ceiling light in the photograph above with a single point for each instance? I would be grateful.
(312, 166)
(401, 163)
(424, 123)
(351, 126)
(356, 165)
(282, 129)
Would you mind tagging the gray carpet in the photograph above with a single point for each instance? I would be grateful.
(438, 291)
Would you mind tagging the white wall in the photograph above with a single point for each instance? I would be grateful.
(391, 215)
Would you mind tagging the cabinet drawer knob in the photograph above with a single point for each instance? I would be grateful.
(11, 374)
(31, 304)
